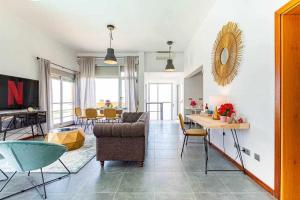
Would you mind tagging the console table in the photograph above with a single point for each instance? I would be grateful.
(18, 119)
(208, 123)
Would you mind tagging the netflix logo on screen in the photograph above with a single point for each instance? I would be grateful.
(18, 93)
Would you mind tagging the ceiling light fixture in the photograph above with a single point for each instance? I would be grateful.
(170, 67)
(110, 57)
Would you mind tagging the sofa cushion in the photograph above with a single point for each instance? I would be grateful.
(136, 129)
(131, 117)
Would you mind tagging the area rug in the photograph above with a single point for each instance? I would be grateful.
(75, 160)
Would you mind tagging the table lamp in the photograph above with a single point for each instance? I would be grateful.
(217, 101)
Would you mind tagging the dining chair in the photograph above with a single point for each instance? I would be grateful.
(194, 133)
(101, 114)
(79, 116)
(91, 115)
(110, 114)
(25, 156)
(119, 113)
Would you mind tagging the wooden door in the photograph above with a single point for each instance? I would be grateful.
(288, 102)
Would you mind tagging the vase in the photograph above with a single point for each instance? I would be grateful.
(223, 118)
(228, 119)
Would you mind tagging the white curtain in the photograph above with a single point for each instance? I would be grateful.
(131, 83)
(87, 80)
(77, 90)
(45, 89)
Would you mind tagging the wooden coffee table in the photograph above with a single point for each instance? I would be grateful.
(71, 138)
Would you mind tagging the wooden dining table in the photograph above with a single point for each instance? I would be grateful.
(208, 123)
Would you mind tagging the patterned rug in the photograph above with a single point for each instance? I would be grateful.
(75, 160)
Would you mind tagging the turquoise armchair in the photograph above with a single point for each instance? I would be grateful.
(25, 156)
(6, 177)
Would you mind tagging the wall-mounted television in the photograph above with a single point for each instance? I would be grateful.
(18, 93)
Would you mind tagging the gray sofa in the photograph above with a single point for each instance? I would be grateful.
(124, 141)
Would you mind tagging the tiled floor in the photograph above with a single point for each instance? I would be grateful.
(165, 176)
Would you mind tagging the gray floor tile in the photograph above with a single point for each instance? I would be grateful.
(201, 182)
(174, 196)
(254, 196)
(55, 196)
(71, 184)
(134, 196)
(168, 165)
(213, 196)
(94, 196)
(164, 175)
(166, 154)
(149, 166)
(26, 195)
(105, 182)
(194, 165)
(240, 183)
(114, 166)
(17, 183)
(137, 182)
(172, 182)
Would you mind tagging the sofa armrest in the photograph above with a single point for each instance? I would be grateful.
(103, 130)
(136, 129)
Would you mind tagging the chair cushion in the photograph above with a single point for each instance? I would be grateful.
(196, 132)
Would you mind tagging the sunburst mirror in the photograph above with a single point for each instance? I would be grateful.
(227, 54)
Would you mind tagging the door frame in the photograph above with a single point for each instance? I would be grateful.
(278, 77)
(164, 83)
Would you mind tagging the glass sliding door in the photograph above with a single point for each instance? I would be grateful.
(62, 100)
(56, 100)
(160, 93)
(67, 101)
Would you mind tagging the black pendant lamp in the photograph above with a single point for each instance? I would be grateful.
(110, 57)
(170, 67)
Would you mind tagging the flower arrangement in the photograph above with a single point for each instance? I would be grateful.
(108, 104)
(226, 110)
(193, 103)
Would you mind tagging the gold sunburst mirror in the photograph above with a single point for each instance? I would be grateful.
(227, 54)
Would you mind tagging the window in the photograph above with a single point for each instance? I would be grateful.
(110, 85)
(62, 100)
(107, 89)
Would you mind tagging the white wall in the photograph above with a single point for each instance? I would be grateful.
(252, 91)
(154, 65)
(21, 43)
(193, 88)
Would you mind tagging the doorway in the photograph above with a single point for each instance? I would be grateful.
(160, 101)
(287, 101)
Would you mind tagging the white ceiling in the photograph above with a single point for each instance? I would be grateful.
(142, 25)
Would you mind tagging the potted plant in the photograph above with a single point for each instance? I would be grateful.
(108, 104)
(193, 103)
(225, 110)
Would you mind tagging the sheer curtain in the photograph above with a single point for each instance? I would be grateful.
(131, 83)
(87, 80)
(77, 90)
(45, 89)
